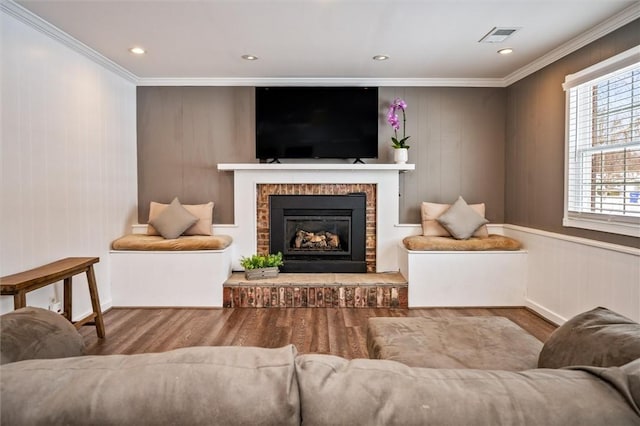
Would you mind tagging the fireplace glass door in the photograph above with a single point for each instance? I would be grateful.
(319, 233)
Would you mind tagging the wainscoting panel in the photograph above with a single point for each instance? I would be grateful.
(68, 165)
(569, 275)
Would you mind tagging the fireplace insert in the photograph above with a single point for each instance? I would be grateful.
(319, 233)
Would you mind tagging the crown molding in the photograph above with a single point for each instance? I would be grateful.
(324, 81)
(34, 21)
(616, 21)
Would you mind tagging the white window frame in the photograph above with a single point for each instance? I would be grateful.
(599, 222)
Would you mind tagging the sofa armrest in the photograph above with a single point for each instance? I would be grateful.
(35, 333)
(599, 338)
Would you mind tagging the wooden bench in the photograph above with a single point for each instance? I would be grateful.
(18, 285)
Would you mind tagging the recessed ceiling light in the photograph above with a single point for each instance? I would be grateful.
(137, 50)
(250, 57)
(381, 57)
(505, 51)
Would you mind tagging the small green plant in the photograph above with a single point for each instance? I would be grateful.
(262, 261)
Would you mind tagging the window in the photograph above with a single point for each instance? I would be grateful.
(602, 190)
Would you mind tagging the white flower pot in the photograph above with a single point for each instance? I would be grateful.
(400, 155)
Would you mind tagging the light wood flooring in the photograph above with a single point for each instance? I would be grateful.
(336, 331)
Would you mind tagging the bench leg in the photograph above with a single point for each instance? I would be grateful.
(95, 302)
(67, 297)
(19, 300)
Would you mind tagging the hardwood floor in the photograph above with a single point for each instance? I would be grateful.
(333, 331)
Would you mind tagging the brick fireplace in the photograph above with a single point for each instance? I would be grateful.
(264, 191)
(254, 182)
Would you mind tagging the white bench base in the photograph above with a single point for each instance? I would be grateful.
(464, 278)
(169, 278)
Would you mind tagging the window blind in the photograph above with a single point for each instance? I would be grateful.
(603, 145)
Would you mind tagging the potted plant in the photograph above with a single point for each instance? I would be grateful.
(400, 147)
(260, 266)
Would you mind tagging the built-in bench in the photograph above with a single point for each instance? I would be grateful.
(443, 271)
(149, 270)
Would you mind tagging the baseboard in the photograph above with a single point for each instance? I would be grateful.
(103, 306)
(544, 312)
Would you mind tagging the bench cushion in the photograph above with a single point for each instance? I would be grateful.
(487, 343)
(158, 243)
(492, 242)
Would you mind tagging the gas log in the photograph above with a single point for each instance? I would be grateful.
(322, 240)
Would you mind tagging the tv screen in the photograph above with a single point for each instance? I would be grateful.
(316, 122)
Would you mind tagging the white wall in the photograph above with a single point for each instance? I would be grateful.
(568, 275)
(68, 160)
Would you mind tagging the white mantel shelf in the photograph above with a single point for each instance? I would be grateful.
(314, 166)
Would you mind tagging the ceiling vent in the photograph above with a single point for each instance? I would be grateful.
(498, 35)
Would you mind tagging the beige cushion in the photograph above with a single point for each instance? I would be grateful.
(599, 337)
(145, 242)
(204, 213)
(461, 220)
(430, 212)
(492, 242)
(173, 220)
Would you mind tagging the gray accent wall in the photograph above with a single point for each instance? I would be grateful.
(183, 133)
(535, 123)
(457, 144)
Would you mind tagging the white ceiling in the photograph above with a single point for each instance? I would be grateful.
(324, 39)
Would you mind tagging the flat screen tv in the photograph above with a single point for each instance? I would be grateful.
(316, 122)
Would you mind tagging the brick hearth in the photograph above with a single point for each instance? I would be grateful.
(388, 290)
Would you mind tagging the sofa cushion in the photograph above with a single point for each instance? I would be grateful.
(190, 386)
(632, 376)
(35, 333)
(464, 342)
(598, 337)
(334, 391)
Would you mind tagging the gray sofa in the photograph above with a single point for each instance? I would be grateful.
(244, 385)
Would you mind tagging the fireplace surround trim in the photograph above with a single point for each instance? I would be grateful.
(386, 177)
